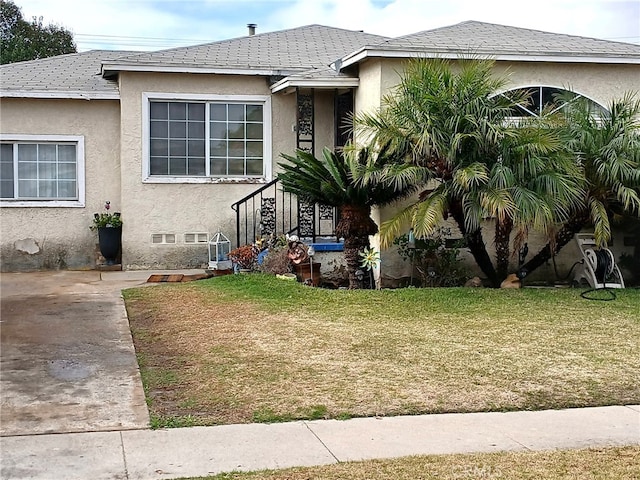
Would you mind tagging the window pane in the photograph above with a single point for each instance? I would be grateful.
(196, 166)
(67, 171)
(6, 171)
(218, 148)
(196, 111)
(196, 130)
(254, 149)
(236, 149)
(254, 131)
(236, 112)
(159, 129)
(159, 148)
(254, 167)
(27, 188)
(27, 152)
(6, 153)
(67, 153)
(6, 188)
(177, 166)
(47, 153)
(178, 148)
(178, 129)
(218, 112)
(159, 110)
(236, 166)
(177, 111)
(159, 166)
(218, 130)
(218, 166)
(47, 189)
(27, 170)
(47, 171)
(236, 130)
(196, 148)
(254, 113)
(66, 189)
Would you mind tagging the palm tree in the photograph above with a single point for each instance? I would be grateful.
(332, 180)
(606, 145)
(454, 124)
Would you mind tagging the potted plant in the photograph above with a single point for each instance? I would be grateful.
(244, 257)
(109, 227)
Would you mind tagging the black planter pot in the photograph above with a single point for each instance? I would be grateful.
(110, 240)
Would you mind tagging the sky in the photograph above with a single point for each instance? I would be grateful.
(160, 24)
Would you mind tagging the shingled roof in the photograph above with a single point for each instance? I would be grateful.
(500, 42)
(75, 75)
(301, 56)
(275, 53)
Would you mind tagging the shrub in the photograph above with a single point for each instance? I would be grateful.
(436, 264)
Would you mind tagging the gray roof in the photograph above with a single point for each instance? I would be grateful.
(75, 75)
(500, 42)
(302, 55)
(275, 53)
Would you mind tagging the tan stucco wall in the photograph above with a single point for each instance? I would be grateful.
(181, 208)
(601, 83)
(61, 236)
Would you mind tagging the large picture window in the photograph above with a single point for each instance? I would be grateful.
(37, 170)
(222, 138)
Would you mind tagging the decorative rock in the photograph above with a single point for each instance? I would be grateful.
(512, 281)
(473, 282)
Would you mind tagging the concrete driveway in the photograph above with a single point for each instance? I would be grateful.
(67, 362)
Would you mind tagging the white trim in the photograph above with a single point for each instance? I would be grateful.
(363, 53)
(320, 83)
(73, 95)
(80, 170)
(265, 100)
(106, 68)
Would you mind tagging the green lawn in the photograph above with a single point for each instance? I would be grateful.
(245, 348)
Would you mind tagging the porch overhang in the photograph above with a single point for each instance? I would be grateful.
(289, 84)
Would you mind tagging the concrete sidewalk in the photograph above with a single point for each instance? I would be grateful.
(200, 451)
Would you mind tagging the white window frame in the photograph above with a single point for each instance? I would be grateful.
(264, 100)
(540, 86)
(80, 170)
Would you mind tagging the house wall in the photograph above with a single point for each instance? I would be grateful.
(34, 238)
(600, 83)
(179, 208)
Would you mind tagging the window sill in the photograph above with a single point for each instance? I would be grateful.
(42, 203)
(206, 180)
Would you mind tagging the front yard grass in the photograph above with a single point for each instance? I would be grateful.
(252, 348)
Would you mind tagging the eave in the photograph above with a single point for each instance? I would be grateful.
(51, 94)
(363, 53)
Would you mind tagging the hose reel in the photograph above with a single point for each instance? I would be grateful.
(599, 265)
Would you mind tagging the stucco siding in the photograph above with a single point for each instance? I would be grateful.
(34, 238)
(601, 83)
(180, 208)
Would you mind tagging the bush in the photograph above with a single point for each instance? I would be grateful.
(437, 265)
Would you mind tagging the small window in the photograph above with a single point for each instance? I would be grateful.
(34, 171)
(163, 238)
(196, 237)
